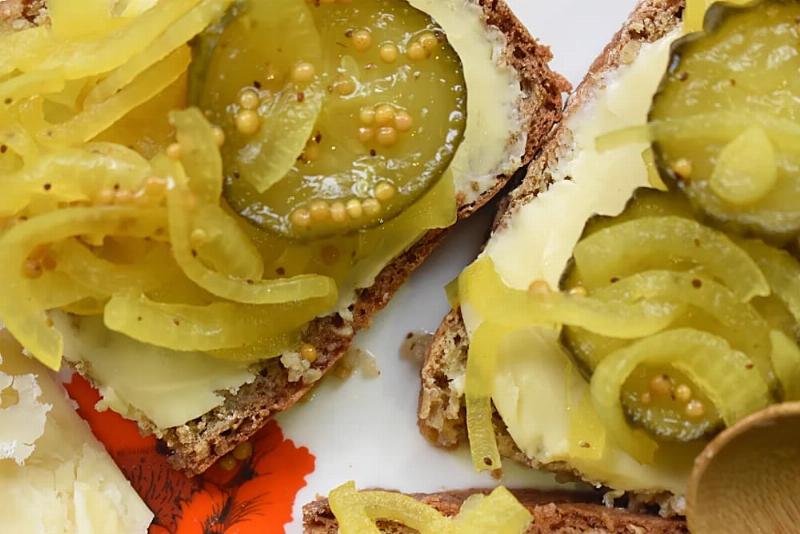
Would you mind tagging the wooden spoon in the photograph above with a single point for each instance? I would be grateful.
(747, 480)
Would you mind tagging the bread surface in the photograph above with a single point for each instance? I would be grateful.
(553, 513)
(441, 414)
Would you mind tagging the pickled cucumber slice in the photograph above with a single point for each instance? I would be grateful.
(665, 402)
(393, 116)
(742, 172)
(675, 243)
(724, 375)
(267, 115)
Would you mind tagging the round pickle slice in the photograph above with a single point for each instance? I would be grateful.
(392, 116)
(725, 120)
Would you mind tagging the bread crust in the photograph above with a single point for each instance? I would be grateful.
(553, 512)
(441, 414)
(196, 445)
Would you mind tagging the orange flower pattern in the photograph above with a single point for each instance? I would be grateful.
(248, 496)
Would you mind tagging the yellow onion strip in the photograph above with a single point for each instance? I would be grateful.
(481, 365)
(269, 347)
(11, 43)
(93, 17)
(357, 512)
(654, 242)
(191, 24)
(725, 376)
(499, 513)
(487, 294)
(782, 271)
(56, 289)
(200, 156)
(179, 204)
(107, 278)
(32, 83)
(81, 174)
(95, 119)
(225, 246)
(82, 58)
(743, 326)
(216, 326)
(19, 310)
(786, 362)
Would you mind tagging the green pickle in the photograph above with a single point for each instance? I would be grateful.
(665, 402)
(725, 118)
(341, 123)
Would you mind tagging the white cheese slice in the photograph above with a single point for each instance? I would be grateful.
(69, 483)
(168, 387)
(22, 415)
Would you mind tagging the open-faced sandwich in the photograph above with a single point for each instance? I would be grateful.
(640, 292)
(203, 200)
(347, 511)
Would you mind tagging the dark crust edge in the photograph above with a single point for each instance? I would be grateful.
(441, 415)
(195, 446)
(553, 512)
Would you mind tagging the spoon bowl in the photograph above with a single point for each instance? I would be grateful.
(747, 480)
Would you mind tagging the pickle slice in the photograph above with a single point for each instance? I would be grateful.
(267, 115)
(674, 243)
(742, 172)
(393, 115)
(665, 402)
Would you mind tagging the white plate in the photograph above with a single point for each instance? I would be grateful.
(364, 429)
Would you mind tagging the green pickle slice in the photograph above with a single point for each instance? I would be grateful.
(664, 401)
(348, 139)
(725, 118)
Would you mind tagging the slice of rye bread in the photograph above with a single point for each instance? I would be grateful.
(196, 445)
(553, 513)
(441, 415)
